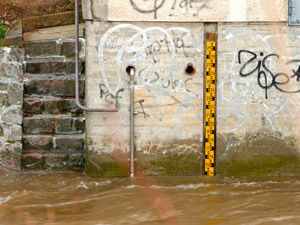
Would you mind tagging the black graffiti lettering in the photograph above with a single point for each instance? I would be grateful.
(141, 102)
(108, 97)
(168, 85)
(155, 9)
(266, 78)
(103, 90)
(296, 74)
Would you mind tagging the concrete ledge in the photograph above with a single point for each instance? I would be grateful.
(52, 20)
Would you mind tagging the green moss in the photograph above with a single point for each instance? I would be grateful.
(107, 169)
(174, 166)
(280, 165)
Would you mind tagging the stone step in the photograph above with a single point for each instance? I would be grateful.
(52, 143)
(53, 64)
(50, 105)
(45, 160)
(53, 124)
(51, 47)
(51, 85)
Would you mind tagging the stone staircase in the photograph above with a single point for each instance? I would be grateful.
(53, 126)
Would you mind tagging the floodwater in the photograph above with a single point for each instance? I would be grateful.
(72, 198)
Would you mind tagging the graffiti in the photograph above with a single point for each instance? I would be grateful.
(111, 44)
(244, 95)
(141, 106)
(173, 149)
(180, 42)
(296, 74)
(110, 98)
(153, 6)
(266, 78)
(188, 6)
(141, 48)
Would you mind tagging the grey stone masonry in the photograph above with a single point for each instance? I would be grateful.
(53, 126)
(11, 100)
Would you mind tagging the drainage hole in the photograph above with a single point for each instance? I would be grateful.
(129, 68)
(190, 70)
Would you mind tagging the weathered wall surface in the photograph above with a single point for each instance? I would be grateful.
(186, 10)
(11, 101)
(258, 86)
(258, 97)
(168, 98)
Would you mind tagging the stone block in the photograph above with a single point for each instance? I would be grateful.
(69, 143)
(14, 38)
(71, 67)
(15, 93)
(64, 125)
(3, 98)
(57, 161)
(12, 132)
(37, 142)
(38, 125)
(12, 70)
(76, 160)
(10, 156)
(66, 87)
(79, 125)
(33, 161)
(3, 85)
(11, 55)
(41, 48)
(61, 106)
(12, 115)
(38, 87)
(45, 66)
(67, 48)
(32, 106)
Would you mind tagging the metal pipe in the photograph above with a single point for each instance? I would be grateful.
(132, 159)
(77, 69)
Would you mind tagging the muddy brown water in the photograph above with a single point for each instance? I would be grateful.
(72, 198)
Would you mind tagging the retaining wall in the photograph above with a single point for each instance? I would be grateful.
(257, 86)
(11, 100)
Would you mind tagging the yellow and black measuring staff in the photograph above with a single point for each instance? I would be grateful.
(210, 104)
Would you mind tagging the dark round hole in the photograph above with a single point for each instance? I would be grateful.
(129, 68)
(190, 70)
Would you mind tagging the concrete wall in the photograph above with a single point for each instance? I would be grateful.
(256, 108)
(186, 10)
(258, 119)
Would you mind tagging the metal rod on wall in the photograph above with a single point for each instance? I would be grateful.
(132, 159)
(78, 103)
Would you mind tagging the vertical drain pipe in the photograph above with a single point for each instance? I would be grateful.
(132, 159)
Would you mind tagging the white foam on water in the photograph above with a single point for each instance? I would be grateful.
(98, 184)
(3, 200)
(82, 185)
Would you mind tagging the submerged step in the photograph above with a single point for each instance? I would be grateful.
(42, 160)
